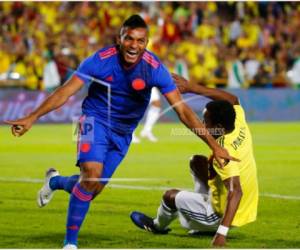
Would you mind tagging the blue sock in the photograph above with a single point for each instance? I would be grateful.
(78, 206)
(63, 183)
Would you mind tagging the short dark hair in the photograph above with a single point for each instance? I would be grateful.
(221, 112)
(135, 21)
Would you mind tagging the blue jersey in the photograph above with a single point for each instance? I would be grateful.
(128, 90)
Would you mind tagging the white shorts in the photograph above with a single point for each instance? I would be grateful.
(196, 212)
(155, 96)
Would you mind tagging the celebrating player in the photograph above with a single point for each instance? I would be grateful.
(110, 113)
(223, 197)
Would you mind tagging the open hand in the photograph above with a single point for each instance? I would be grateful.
(222, 156)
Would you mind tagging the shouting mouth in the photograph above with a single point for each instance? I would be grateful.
(132, 54)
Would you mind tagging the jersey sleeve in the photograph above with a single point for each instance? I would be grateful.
(163, 80)
(229, 170)
(86, 70)
(240, 114)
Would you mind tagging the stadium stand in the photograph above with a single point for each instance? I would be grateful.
(235, 44)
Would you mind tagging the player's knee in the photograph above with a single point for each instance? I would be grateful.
(91, 185)
(169, 198)
(90, 174)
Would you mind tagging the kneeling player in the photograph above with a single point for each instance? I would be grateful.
(223, 197)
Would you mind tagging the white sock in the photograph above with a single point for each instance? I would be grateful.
(165, 216)
(151, 119)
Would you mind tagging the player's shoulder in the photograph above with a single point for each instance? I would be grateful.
(106, 53)
(151, 59)
(240, 117)
(238, 108)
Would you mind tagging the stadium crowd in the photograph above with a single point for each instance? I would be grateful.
(232, 44)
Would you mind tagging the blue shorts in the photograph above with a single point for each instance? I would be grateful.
(98, 143)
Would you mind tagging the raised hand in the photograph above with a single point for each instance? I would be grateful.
(182, 84)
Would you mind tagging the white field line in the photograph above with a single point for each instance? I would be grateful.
(146, 188)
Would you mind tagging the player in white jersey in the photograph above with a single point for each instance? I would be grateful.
(151, 118)
(223, 197)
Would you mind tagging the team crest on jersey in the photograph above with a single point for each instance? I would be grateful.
(138, 84)
(85, 147)
(109, 78)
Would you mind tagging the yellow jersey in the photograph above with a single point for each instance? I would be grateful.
(239, 145)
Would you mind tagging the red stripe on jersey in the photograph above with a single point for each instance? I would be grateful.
(108, 53)
(151, 60)
(103, 53)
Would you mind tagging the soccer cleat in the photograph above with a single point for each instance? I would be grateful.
(149, 136)
(45, 194)
(145, 222)
(70, 246)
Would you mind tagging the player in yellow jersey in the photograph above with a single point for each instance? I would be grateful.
(223, 197)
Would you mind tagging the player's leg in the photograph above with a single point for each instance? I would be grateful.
(152, 115)
(83, 192)
(65, 183)
(199, 169)
(92, 149)
(196, 212)
(166, 213)
(116, 153)
(94, 176)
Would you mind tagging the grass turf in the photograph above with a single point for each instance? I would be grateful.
(23, 225)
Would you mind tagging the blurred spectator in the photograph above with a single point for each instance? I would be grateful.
(51, 76)
(262, 78)
(251, 65)
(221, 73)
(181, 67)
(280, 79)
(236, 71)
(294, 73)
(170, 30)
(181, 18)
(235, 30)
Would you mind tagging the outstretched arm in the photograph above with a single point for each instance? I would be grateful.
(215, 94)
(58, 98)
(191, 120)
(234, 196)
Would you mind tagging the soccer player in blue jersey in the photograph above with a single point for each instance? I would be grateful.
(110, 113)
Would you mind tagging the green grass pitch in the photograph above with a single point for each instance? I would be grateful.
(24, 225)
